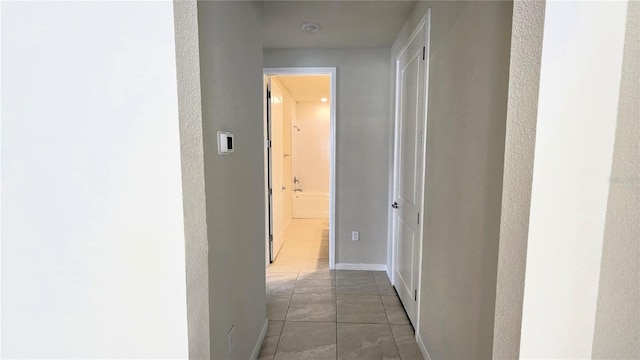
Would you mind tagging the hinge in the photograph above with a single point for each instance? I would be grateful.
(270, 192)
(268, 144)
(415, 295)
(268, 94)
(270, 238)
(418, 218)
(424, 52)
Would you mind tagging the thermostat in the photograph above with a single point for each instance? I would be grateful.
(225, 143)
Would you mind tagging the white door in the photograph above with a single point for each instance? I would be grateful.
(277, 181)
(411, 67)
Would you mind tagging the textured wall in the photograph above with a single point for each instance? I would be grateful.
(577, 111)
(231, 81)
(617, 328)
(467, 109)
(192, 160)
(362, 145)
(524, 80)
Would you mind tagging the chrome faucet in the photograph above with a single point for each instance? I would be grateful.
(296, 180)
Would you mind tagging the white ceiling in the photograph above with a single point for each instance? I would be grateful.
(343, 24)
(307, 88)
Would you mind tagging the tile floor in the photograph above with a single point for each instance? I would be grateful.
(317, 313)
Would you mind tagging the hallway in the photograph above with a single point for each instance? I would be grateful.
(319, 313)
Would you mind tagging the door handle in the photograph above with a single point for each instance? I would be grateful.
(394, 205)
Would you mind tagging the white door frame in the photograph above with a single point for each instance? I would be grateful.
(331, 71)
(423, 26)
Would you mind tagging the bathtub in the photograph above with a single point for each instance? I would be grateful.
(310, 205)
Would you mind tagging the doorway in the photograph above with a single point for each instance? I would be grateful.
(299, 123)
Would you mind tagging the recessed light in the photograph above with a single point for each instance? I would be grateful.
(323, 99)
(310, 27)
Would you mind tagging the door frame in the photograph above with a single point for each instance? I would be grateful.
(423, 26)
(331, 72)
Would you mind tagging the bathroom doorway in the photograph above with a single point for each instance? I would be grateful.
(299, 126)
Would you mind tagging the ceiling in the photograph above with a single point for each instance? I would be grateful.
(344, 24)
(307, 88)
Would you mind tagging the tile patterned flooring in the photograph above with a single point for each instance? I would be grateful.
(317, 313)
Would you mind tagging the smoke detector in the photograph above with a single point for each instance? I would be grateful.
(310, 27)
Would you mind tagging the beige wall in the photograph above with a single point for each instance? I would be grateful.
(469, 67)
(617, 327)
(577, 108)
(231, 79)
(192, 161)
(93, 238)
(524, 80)
(363, 140)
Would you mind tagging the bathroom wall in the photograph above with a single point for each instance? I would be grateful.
(311, 151)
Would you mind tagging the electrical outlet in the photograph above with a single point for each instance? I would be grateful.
(355, 235)
(230, 335)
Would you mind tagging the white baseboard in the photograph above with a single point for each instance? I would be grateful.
(263, 333)
(370, 267)
(423, 348)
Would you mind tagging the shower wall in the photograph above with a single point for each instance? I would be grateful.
(310, 143)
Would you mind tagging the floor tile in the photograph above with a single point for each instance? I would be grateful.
(318, 274)
(356, 286)
(307, 340)
(314, 265)
(283, 267)
(405, 339)
(271, 338)
(395, 311)
(366, 341)
(312, 307)
(302, 290)
(381, 278)
(361, 309)
(386, 290)
(277, 307)
(355, 274)
(281, 283)
(319, 285)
